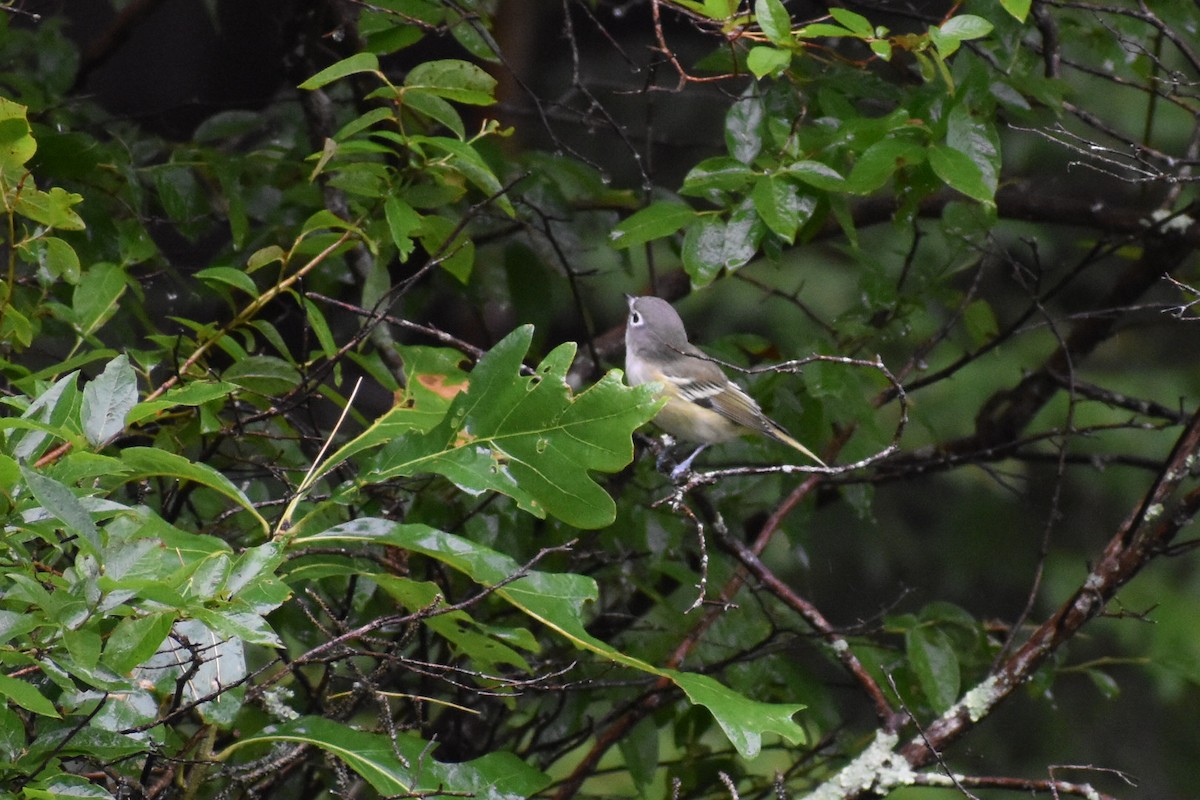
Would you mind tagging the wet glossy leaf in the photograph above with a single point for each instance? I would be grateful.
(715, 175)
(935, 663)
(816, 174)
(61, 503)
(530, 438)
(147, 461)
(660, 218)
(782, 205)
(559, 601)
(107, 401)
(453, 79)
(265, 375)
(26, 696)
(96, 296)
(959, 172)
(712, 244)
(402, 765)
(744, 126)
(880, 161)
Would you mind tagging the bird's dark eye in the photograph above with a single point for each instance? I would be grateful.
(635, 318)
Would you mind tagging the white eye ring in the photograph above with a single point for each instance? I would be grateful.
(635, 318)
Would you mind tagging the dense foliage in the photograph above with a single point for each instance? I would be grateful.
(320, 477)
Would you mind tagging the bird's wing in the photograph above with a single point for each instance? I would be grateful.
(707, 386)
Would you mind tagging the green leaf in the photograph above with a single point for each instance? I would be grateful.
(65, 786)
(880, 161)
(234, 194)
(936, 666)
(434, 107)
(148, 461)
(221, 665)
(48, 413)
(959, 172)
(465, 159)
(660, 218)
(265, 375)
(52, 208)
(58, 258)
(191, 394)
(254, 566)
(972, 131)
(965, 27)
(135, 640)
(743, 720)
(856, 23)
(403, 222)
(457, 255)
(359, 62)
(433, 378)
(712, 245)
(704, 250)
(61, 503)
(719, 174)
(528, 437)
(265, 255)
(364, 122)
(237, 627)
(1106, 684)
(980, 322)
(457, 627)
(819, 29)
(16, 327)
(229, 276)
(774, 20)
(816, 174)
(107, 401)
(763, 61)
(180, 193)
(720, 9)
(558, 601)
(744, 126)
(17, 144)
(475, 38)
(96, 296)
(83, 645)
(782, 206)
(1019, 9)
(27, 697)
(453, 79)
(401, 764)
(639, 748)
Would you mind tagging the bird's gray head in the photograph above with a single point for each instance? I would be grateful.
(653, 324)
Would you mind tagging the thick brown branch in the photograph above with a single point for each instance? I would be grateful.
(1145, 533)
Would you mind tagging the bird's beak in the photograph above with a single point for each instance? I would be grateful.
(629, 298)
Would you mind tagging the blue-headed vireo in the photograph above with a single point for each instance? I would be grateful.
(703, 405)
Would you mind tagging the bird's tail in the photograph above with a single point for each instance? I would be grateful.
(780, 435)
